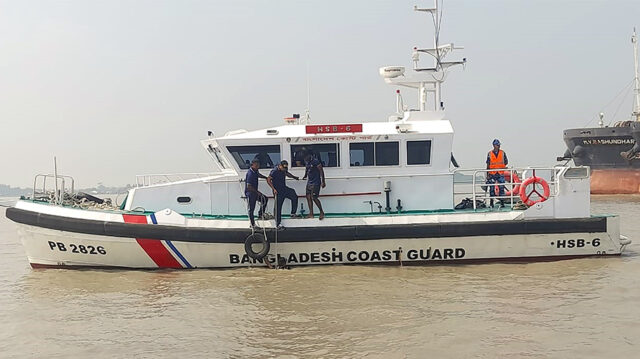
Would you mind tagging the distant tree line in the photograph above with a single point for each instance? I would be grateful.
(8, 191)
(100, 188)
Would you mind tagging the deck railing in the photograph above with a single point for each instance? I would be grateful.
(473, 184)
(480, 188)
(60, 185)
(153, 179)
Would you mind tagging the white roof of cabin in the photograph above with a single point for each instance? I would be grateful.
(368, 128)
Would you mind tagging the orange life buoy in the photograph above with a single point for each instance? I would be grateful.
(515, 180)
(534, 180)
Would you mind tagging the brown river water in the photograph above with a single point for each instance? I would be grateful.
(582, 308)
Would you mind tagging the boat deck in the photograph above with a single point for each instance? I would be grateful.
(287, 216)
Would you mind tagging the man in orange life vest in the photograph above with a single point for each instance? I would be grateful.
(496, 160)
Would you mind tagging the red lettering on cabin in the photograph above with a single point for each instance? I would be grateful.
(315, 129)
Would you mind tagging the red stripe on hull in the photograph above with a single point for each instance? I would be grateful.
(348, 194)
(134, 218)
(154, 248)
(158, 253)
(339, 194)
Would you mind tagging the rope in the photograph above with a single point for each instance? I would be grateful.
(118, 196)
(246, 203)
(73, 200)
(276, 240)
(611, 102)
(264, 230)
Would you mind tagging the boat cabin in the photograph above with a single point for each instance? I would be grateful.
(409, 159)
(399, 166)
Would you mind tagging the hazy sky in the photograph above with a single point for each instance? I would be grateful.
(118, 88)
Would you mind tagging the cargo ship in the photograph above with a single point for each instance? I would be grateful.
(612, 152)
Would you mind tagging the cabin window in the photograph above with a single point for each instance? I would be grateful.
(184, 200)
(361, 154)
(387, 154)
(268, 155)
(577, 172)
(215, 152)
(327, 153)
(374, 154)
(418, 152)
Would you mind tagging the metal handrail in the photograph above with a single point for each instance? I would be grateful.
(237, 178)
(475, 185)
(151, 179)
(57, 195)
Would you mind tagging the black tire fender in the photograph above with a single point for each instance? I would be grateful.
(253, 239)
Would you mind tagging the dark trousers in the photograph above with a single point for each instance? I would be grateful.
(289, 193)
(253, 197)
(495, 178)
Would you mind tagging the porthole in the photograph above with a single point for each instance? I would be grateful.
(184, 200)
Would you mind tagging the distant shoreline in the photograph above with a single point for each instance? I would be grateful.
(8, 191)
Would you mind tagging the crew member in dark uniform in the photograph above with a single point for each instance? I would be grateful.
(252, 193)
(315, 175)
(265, 159)
(299, 155)
(277, 182)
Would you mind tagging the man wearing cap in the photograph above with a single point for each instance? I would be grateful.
(315, 173)
(277, 182)
(252, 193)
(496, 161)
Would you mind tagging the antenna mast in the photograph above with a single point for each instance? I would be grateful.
(307, 112)
(426, 79)
(433, 52)
(636, 107)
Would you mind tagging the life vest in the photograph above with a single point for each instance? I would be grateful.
(496, 161)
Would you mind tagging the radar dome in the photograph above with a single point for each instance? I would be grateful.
(389, 72)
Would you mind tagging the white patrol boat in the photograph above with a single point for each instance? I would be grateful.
(390, 197)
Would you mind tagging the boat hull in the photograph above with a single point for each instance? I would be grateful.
(615, 181)
(601, 148)
(47, 244)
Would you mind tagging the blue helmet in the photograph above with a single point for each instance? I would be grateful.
(496, 142)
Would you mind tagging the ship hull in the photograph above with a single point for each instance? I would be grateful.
(615, 181)
(106, 241)
(46, 248)
(611, 152)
